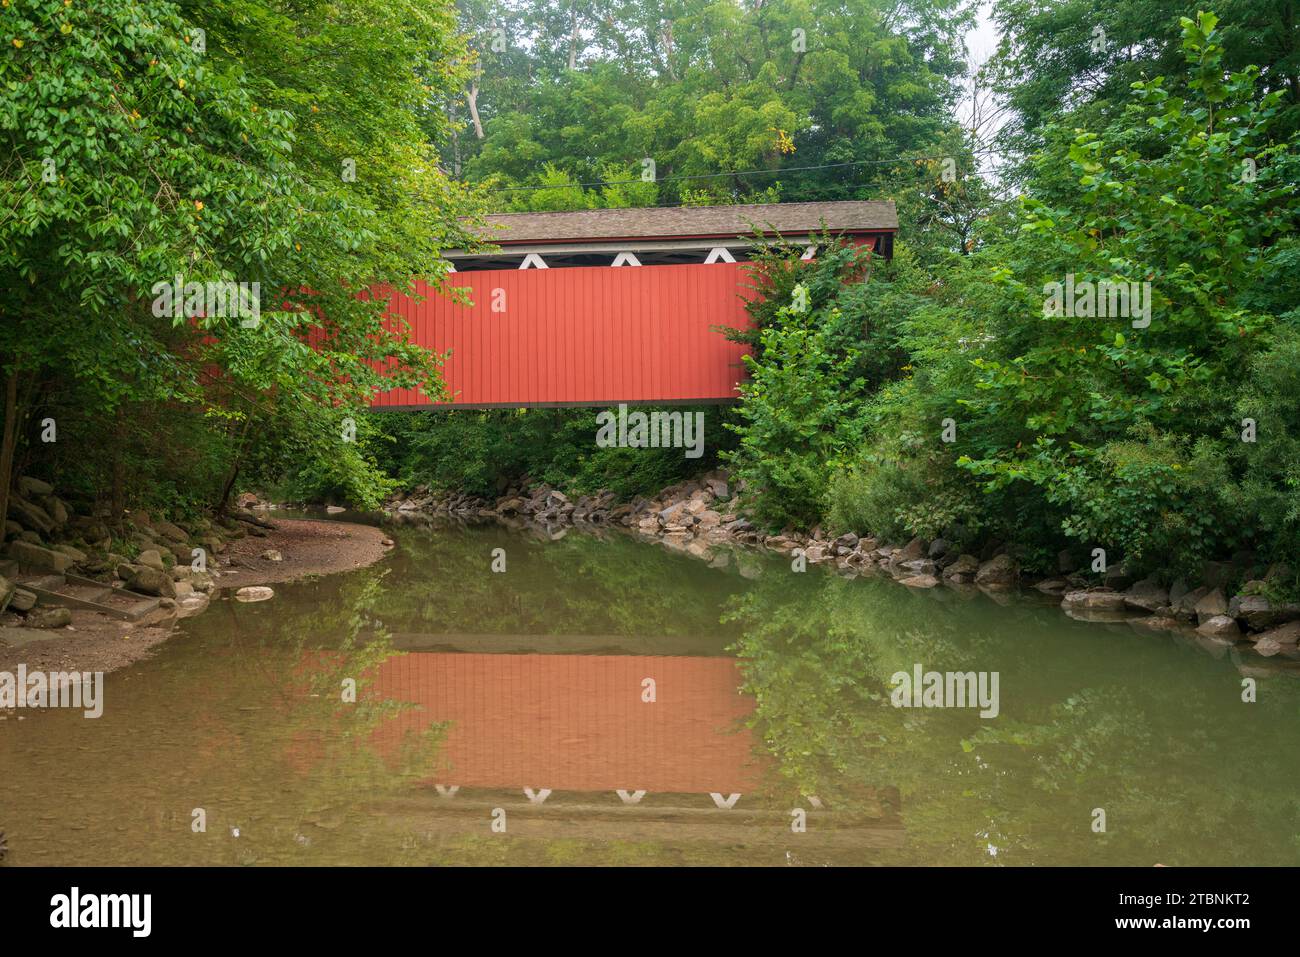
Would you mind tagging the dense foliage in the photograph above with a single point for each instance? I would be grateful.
(234, 142)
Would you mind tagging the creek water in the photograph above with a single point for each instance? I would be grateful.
(606, 700)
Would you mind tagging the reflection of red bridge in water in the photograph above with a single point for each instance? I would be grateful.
(578, 722)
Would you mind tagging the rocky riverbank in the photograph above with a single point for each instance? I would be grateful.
(1232, 607)
(173, 568)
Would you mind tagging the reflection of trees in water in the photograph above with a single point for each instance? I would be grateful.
(581, 583)
(296, 733)
(1184, 771)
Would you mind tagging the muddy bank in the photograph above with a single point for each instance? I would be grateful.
(97, 642)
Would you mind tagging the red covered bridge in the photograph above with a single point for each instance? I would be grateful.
(596, 307)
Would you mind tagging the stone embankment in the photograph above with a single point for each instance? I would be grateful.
(702, 518)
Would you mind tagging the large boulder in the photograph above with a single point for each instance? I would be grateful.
(1001, 571)
(55, 617)
(963, 569)
(22, 600)
(1211, 605)
(76, 554)
(909, 553)
(1146, 595)
(57, 511)
(38, 558)
(151, 558)
(151, 581)
(1185, 605)
(1220, 626)
(29, 486)
(30, 515)
(7, 589)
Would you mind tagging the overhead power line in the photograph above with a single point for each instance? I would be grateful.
(741, 172)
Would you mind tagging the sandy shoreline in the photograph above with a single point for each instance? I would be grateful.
(95, 642)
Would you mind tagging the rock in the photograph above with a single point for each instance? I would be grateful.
(22, 600)
(272, 555)
(1117, 577)
(1211, 605)
(922, 566)
(1186, 606)
(1067, 561)
(27, 485)
(1176, 592)
(387, 542)
(718, 487)
(817, 554)
(1146, 595)
(999, 571)
(910, 552)
(1259, 613)
(30, 537)
(38, 558)
(1096, 605)
(1281, 640)
(76, 554)
(1052, 586)
(183, 589)
(151, 558)
(191, 604)
(254, 593)
(55, 617)
(7, 589)
(1098, 600)
(1156, 624)
(57, 511)
(965, 566)
(126, 571)
(29, 515)
(939, 548)
(1219, 626)
(151, 581)
(919, 581)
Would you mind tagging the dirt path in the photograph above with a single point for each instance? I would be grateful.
(95, 642)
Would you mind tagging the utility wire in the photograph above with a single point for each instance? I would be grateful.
(742, 172)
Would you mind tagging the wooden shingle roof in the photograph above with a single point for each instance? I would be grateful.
(686, 222)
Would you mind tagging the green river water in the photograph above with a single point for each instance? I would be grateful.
(598, 663)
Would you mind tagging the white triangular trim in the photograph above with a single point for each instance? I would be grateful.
(809, 253)
(719, 254)
(626, 259)
(538, 796)
(447, 791)
(630, 797)
(726, 803)
(533, 261)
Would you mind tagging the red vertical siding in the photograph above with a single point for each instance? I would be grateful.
(584, 335)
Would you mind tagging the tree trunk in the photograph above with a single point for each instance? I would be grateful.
(472, 97)
(7, 445)
(118, 503)
(573, 35)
